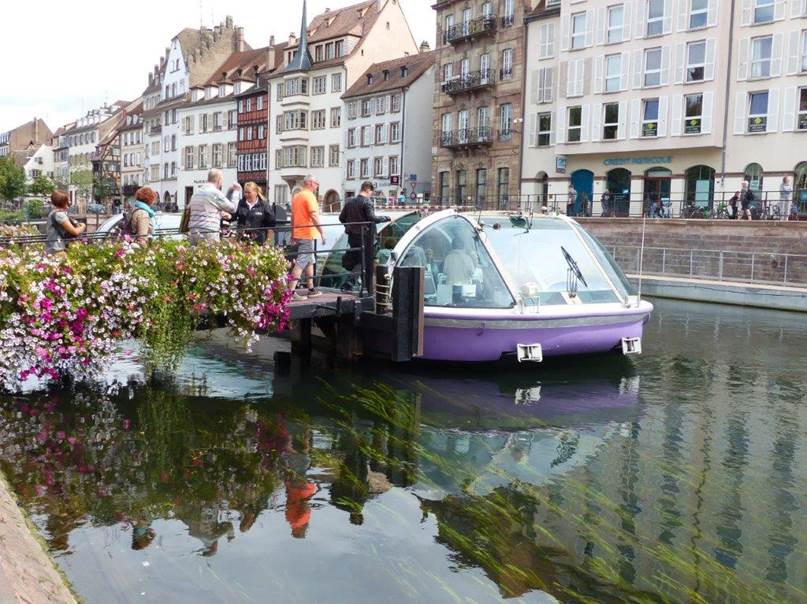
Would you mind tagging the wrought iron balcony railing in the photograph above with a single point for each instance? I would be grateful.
(470, 81)
(467, 137)
(468, 30)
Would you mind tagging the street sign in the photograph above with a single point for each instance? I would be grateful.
(413, 196)
(413, 177)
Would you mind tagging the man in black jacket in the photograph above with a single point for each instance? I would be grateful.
(358, 210)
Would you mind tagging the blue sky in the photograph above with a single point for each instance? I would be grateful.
(64, 58)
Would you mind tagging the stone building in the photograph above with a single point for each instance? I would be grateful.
(30, 135)
(131, 153)
(478, 101)
(665, 103)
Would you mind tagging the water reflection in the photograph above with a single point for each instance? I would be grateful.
(676, 478)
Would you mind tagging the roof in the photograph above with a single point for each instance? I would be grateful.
(541, 11)
(244, 61)
(354, 20)
(416, 66)
(301, 60)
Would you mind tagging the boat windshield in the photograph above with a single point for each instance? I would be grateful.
(459, 270)
(533, 257)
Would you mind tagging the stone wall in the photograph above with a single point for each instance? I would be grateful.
(708, 249)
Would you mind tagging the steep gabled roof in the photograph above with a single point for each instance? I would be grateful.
(240, 61)
(416, 66)
(354, 20)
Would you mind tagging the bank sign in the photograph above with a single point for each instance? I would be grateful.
(635, 161)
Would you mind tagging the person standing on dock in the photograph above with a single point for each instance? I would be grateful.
(359, 219)
(746, 197)
(254, 215)
(208, 206)
(305, 229)
(785, 198)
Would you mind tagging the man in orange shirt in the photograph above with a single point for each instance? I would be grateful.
(305, 228)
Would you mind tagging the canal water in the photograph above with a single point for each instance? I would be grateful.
(677, 476)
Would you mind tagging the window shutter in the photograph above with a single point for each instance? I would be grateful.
(534, 130)
(683, 14)
(789, 109)
(560, 127)
(663, 103)
(625, 83)
(779, 9)
(711, 14)
(797, 8)
(665, 65)
(601, 27)
(599, 75)
(637, 69)
(550, 40)
(748, 13)
(794, 53)
(641, 19)
(773, 110)
(589, 28)
(627, 16)
(580, 75)
(565, 31)
(549, 85)
(635, 117)
(776, 54)
(596, 122)
(571, 78)
(667, 21)
(680, 63)
(536, 85)
(585, 123)
(677, 119)
(742, 59)
(621, 129)
(709, 68)
(708, 110)
(739, 113)
(563, 80)
(551, 130)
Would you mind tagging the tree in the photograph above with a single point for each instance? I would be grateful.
(42, 185)
(82, 181)
(12, 179)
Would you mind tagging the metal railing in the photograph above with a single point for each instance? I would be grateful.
(473, 80)
(762, 268)
(470, 29)
(466, 137)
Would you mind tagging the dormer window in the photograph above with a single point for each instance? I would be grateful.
(222, 90)
(369, 79)
(386, 75)
(404, 71)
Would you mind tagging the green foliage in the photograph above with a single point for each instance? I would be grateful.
(82, 181)
(34, 209)
(42, 185)
(12, 179)
(104, 187)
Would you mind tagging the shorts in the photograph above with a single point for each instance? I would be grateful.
(305, 253)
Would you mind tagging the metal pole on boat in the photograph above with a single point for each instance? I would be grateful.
(641, 261)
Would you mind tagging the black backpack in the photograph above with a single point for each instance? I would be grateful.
(123, 228)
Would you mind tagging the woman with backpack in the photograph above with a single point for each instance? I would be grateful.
(141, 215)
(59, 227)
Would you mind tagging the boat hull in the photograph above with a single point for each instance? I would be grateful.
(464, 339)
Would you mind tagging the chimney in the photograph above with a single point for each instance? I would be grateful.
(424, 46)
(239, 39)
(228, 22)
(270, 54)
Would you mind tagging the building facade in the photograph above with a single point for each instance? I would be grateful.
(306, 109)
(478, 101)
(388, 125)
(131, 154)
(252, 142)
(630, 97)
(23, 138)
(39, 163)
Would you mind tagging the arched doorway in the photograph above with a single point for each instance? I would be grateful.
(800, 189)
(753, 174)
(332, 202)
(657, 185)
(618, 184)
(700, 190)
(543, 179)
(166, 201)
(583, 183)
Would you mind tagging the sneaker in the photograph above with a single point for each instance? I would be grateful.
(298, 297)
(313, 293)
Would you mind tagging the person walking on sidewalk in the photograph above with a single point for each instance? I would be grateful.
(785, 198)
(746, 197)
(305, 228)
(357, 210)
(208, 206)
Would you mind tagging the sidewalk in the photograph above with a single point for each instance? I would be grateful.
(27, 574)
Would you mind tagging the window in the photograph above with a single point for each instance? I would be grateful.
(652, 67)
(295, 120)
(613, 72)
(336, 117)
(318, 120)
(378, 166)
(801, 123)
(381, 105)
(763, 11)
(329, 51)
(804, 48)
(259, 103)
(351, 110)
(696, 61)
(579, 30)
(317, 157)
(446, 126)
(395, 132)
(366, 136)
(281, 194)
(350, 169)
(320, 85)
(217, 121)
(545, 84)
(650, 118)
(294, 157)
(218, 160)
(364, 168)
(448, 72)
(610, 122)
(505, 121)
(616, 20)
(296, 86)
(575, 124)
(758, 112)
(655, 18)
(380, 135)
(395, 103)
(503, 185)
(318, 54)
(443, 180)
(761, 57)
(336, 82)
(366, 107)
(231, 155)
(693, 113)
(544, 129)
(507, 64)
(232, 119)
(351, 138)
(698, 11)
(509, 13)
(278, 124)
(279, 91)
(546, 41)
(203, 157)
(393, 166)
(333, 156)
(261, 132)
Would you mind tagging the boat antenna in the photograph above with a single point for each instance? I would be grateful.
(641, 261)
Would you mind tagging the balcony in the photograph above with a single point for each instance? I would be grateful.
(475, 80)
(468, 30)
(156, 130)
(467, 138)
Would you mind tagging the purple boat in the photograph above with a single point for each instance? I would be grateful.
(499, 285)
